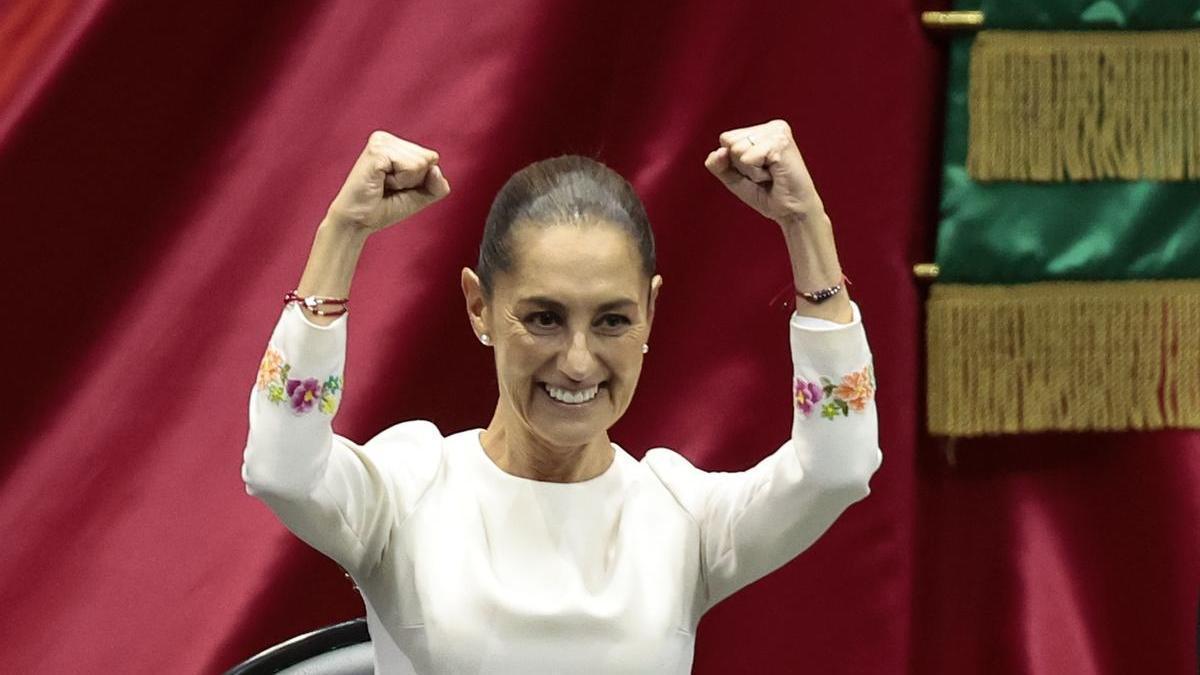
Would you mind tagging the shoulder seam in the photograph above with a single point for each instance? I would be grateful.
(432, 478)
(419, 500)
(692, 518)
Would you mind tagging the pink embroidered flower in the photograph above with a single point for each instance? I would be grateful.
(856, 389)
(268, 370)
(806, 395)
(304, 394)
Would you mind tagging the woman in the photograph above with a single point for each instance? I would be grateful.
(536, 544)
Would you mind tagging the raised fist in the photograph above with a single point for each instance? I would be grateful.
(763, 167)
(391, 180)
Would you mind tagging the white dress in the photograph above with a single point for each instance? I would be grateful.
(465, 568)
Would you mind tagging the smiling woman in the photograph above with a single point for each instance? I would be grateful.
(537, 544)
(565, 293)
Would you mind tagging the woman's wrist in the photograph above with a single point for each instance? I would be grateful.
(836, 309)
(331, 264)
(341, 233)
(812, 251)
(815, 264)
(804, 215)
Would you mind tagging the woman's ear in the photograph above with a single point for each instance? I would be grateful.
(476, 303)
(655, 284)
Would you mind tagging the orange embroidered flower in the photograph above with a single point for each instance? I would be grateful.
(270, 368)
(856, 389)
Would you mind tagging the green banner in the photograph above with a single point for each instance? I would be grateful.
(1068, 295)
(1087, 14)
(1011, 232)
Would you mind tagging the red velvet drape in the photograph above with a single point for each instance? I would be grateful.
(163, 166)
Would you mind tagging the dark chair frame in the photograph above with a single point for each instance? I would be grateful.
(303, 647)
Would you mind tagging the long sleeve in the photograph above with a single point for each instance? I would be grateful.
(752, 522)
(340, 497)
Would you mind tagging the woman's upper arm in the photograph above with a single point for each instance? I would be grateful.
(364, 493)
(341, 497)
(754, 521)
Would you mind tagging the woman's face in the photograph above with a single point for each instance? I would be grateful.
(568, 322)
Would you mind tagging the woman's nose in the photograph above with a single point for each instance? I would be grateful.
(578, 359)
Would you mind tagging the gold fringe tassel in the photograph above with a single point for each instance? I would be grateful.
(1071, 356)
(1058, 106)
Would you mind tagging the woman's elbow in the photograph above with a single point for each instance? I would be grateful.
(263, 478)
(255, 476)
(854, 484)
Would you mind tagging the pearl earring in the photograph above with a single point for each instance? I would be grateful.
(485, 339)
(645, 348)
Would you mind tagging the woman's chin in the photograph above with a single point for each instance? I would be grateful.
(569, 425)
(562, 434)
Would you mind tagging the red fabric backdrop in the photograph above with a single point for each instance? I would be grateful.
(162, 169)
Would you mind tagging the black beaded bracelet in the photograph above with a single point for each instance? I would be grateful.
(817, 297)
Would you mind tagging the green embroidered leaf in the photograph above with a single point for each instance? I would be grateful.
(275, 393)
(844, 407)
(333, 384)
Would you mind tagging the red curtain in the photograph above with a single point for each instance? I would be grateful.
(163, 167)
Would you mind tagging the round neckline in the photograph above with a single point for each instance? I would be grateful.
(609, 473)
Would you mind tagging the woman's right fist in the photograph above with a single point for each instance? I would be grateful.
(391, 180)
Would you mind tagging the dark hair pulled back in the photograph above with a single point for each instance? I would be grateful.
(566, 189)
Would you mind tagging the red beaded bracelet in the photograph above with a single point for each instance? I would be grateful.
(312, 302)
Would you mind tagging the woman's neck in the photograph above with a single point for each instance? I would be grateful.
(518, 452)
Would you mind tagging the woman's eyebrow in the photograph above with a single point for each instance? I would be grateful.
(557, 306)
(616, 304)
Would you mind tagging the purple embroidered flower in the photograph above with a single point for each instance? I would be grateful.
(304, 394)
(806, 394)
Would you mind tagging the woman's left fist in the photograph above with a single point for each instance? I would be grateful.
(763, 167)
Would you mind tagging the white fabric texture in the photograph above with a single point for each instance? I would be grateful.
(465, 568)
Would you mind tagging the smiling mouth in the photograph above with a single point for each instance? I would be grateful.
(572, 396)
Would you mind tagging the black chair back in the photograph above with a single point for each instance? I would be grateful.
(341, 649)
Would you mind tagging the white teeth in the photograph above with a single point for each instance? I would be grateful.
(568, 396)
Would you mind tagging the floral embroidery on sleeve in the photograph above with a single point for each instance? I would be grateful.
(854, 391)
(300, 396)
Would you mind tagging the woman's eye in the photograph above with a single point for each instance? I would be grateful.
(613, 321)
(543, 319)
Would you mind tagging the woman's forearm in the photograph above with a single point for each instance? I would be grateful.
(815, 265)
(331, 264)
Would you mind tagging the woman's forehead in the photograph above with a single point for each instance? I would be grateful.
(581, 261)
